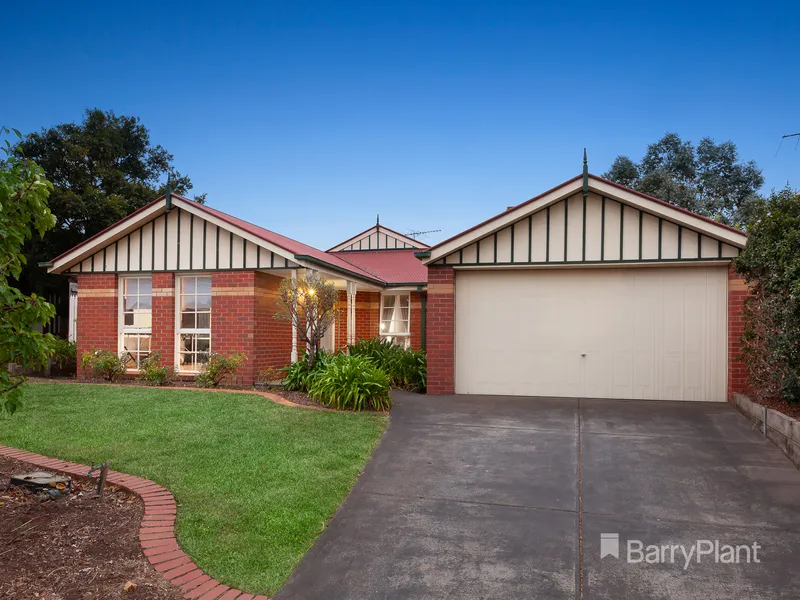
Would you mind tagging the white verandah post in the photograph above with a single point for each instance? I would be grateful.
(351, 312)
(294, 328)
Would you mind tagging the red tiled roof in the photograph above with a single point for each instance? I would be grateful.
(391, 266)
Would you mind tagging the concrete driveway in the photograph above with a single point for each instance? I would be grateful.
(497, 497)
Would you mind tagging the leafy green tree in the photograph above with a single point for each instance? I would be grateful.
(770, 264)
(23, 211)
(102, 169)
(709, 179)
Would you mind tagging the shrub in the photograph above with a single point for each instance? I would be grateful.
(407, 369)
(299, 375)
(151, 371)
(770, 264)
(104, 363)
(351, 382)
(65, 355)
(218, 367)
(269, 374)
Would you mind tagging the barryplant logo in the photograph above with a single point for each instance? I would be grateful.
(701, 551)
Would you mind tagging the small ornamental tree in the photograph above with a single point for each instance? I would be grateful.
(23, 210)
(310, 305)
(770, 264)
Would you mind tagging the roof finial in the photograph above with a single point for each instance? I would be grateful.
(585, 175)
(169, 192)
(377, 220)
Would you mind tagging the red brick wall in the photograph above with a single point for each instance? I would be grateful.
(340, 338)
(97, 314)
(273, 337)
(368, 306)
(233, 318)
(416, 321)
(737, 372)
(163, 340)
(441, 330)
(368, 315)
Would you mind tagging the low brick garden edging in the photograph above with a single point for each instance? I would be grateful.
(782, 430)
(156, 531)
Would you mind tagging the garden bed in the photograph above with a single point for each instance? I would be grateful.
(781, 406)
(73, 547)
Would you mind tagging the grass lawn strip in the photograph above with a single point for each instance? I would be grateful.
(255, 481)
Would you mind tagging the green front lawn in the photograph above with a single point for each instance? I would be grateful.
(255, 482)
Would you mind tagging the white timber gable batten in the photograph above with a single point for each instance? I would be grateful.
(378, 238)
(184, 237)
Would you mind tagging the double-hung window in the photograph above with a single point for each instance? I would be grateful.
(194, 321)
(136, 320)
(396, 318)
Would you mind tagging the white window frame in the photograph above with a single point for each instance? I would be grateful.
(180, 330)
(122, 329)
(405, 336)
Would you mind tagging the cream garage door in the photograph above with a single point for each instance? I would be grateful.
(651, 333)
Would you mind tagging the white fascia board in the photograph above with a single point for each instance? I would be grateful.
(504, 220)
(190, 206)
(115, 232)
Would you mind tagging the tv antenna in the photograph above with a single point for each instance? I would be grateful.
(416, 234)
(788, 135)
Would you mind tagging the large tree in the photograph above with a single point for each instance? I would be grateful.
(23, 211)
(708, 179)
(102, 169)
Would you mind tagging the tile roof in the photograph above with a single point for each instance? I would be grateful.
(391, 266)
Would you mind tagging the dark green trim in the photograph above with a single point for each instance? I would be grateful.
(285, 262)
(116, 255)
(230, 250)
(406, 284)
(660, 224)
(566, 227)
(104, 259)
(153, 244)
(271, 259)
(641, 220)
(460, 256)
(369, 242)
(547, 238)
(166, 239)
(45, 264)
(583, 252)
(217, 263)
(423, 254)
(478, 251)
(512, 242)
(191, 240)
(680, 240)
(621, 230)
(719, 248)
(205, 231)
(424, 318)
(602, 228)
(80, 267)
(599, 262)
(128, 253)
(530, 237)
(699, 244)
(258, 257)
(178, 253)
(495, 248)
(244, 253)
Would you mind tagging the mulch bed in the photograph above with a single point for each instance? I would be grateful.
(73, 547)
(790, 410)
(296, 397)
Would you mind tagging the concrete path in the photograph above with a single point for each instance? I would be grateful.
(497, 497)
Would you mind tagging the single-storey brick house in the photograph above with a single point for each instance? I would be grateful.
(182, 278)
(588, 290)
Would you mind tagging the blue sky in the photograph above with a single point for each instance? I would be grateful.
(310, 118)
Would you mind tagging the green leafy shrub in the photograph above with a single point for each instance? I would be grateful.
(151, 371)
(351, 382)
(219, 367)
(268, 375)
(770, 264)
(407, 369)
(65, 355)
(103, 363)
(299, 375)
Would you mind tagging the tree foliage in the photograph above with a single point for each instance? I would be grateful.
(709, 179)
(23, 212)
(102, 169)
(770, 264)
(310, 304)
